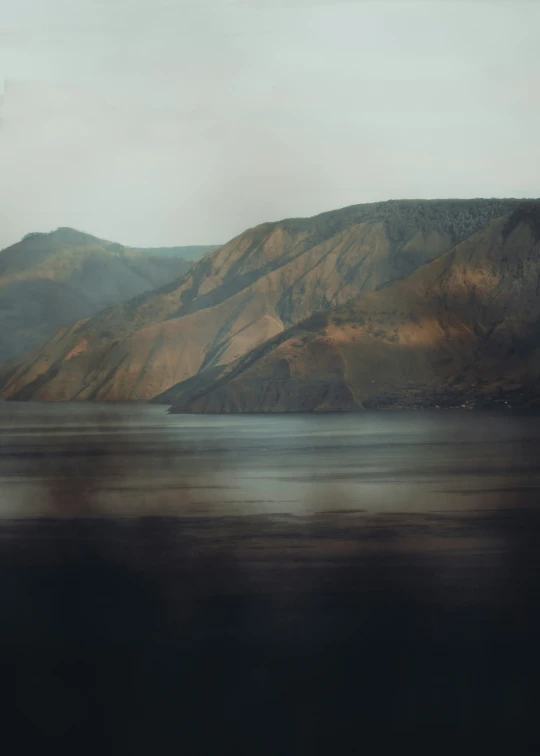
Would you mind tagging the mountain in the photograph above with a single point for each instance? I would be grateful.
(48, 280)
(190, 253)
(246, 292)
(463, 330)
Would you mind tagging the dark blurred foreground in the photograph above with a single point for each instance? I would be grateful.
(222, 636)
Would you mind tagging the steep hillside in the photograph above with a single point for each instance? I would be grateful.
(50, 280)
(246, 292)
(462, 330)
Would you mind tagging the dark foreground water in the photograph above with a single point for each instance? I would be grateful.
(269, 585)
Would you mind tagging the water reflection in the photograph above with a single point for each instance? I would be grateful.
(152, 463)
(268, 585)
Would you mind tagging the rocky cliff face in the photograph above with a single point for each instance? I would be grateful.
(250, 290)
(50, 280)
(462, 330)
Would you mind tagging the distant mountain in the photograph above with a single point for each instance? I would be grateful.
(463, 330)
(48, 280)
(191, 254)
(248, 291)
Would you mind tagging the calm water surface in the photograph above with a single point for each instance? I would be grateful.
(137, 459)
(275, 585)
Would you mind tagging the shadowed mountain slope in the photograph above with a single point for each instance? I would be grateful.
(462, 330)
(251, 289)
(50, 280)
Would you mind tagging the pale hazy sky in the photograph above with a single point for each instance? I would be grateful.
(157, 122)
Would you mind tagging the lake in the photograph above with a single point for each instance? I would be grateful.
(268, 584)
(137, 460)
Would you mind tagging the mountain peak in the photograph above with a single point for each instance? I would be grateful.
(62, 233)
(72, 235)
(49, 280)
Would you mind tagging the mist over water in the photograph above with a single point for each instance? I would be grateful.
(268, 584)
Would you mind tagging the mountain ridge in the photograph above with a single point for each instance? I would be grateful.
(48, 280)
(249, 290)
(461, 330)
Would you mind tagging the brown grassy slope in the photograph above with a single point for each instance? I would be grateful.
(464, 326)
(252, 288)
(50, 280)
